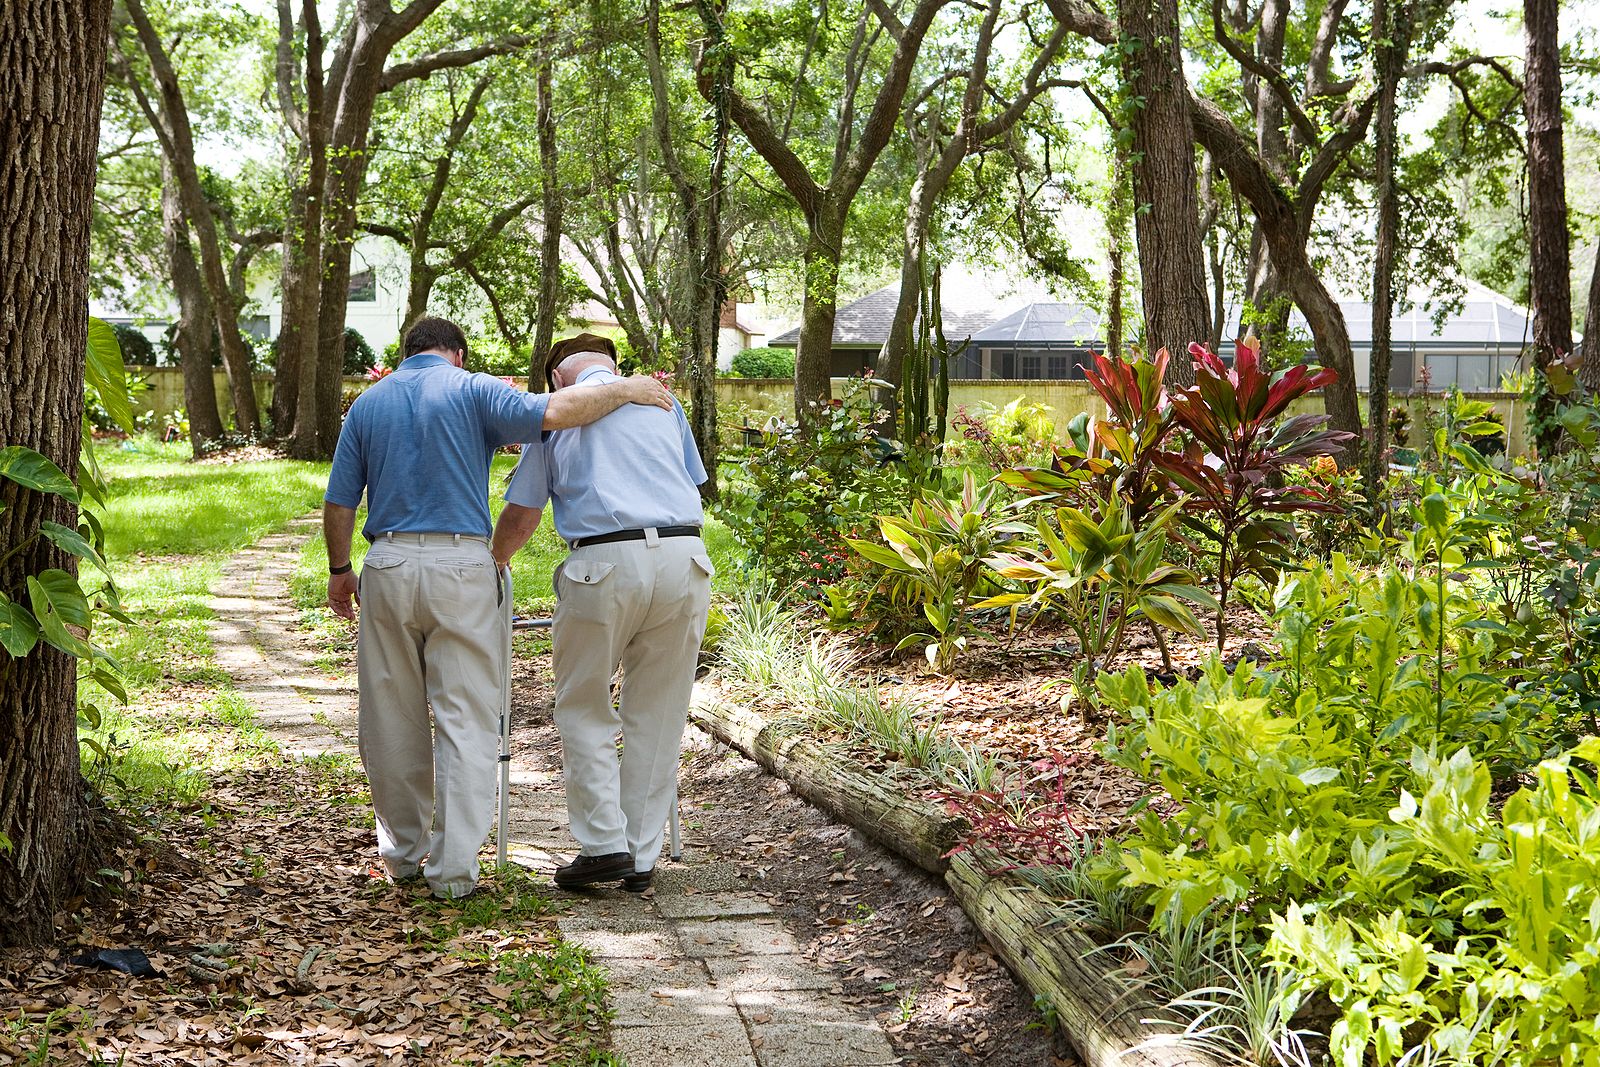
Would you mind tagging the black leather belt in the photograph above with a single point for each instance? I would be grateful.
(636, 535)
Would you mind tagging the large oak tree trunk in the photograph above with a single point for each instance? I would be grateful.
(52, 68)
(1167, 220)
(193, 330)
(1547, 204)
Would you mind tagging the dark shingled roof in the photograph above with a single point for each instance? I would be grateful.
(1043, 324)
(865, 323)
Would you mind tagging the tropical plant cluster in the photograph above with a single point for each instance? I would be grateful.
(1394, 808)
(1092, 540)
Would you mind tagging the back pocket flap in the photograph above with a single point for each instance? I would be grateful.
(587, 571)
(704, 563)
(381, 563)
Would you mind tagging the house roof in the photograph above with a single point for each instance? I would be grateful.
(1485, 321)
(970, 302)
(1045, 324)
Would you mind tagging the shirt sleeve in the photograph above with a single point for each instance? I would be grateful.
(530, 482)
(510, 416)
(347, 480)
(691, 451)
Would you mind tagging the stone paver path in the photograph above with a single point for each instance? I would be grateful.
(702, 975)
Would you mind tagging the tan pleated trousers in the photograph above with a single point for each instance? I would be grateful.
(640, 604)
(430, 635)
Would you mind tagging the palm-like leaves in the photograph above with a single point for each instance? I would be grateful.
(1236, 457)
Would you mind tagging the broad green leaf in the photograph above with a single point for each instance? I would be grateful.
(58, 603)
(36, 471)
(72, 542)
(104, 373)
(18, 630)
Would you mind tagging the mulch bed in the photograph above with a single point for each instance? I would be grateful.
(277, 942)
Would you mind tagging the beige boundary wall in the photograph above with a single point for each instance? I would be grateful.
(751, 401)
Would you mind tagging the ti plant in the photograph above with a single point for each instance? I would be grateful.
(1235, 459)
(1100, 574)
(1116, 454)
(931, 560)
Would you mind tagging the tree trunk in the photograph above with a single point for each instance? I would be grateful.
(1547, 206)
(544, 330)
(1117, 219)
(892, 359)
(813, 359)
(1391, 25)
(193, 330)
(1167, 220)
(302, 304)
(52, 69)
(177, 141)
(1589, 369)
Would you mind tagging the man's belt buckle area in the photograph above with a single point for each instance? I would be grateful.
(430, 539)
(648, 534)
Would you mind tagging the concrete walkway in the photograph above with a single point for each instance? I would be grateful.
(702, 975)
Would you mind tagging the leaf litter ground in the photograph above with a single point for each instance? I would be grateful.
(277, 942)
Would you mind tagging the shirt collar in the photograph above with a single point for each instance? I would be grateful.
(589, 372)
(423, 359)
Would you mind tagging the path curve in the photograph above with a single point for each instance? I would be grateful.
(701, 974)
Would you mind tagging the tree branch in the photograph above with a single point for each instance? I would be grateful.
(450, 59)
(1084, 18)
(1265, 71)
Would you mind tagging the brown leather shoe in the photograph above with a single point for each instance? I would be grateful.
(639, 881)
(589, 870)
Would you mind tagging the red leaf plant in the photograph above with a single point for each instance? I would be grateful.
(1233, 464)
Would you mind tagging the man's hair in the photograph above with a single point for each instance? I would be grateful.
(572, 346)
(430, 333)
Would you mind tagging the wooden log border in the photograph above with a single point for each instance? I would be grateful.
(1100, 1015)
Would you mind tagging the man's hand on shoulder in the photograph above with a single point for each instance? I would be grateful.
(645, 389)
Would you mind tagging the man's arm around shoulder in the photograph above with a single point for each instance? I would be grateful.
(579, 407)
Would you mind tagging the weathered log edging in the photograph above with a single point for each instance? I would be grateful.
(914, 829)
(1100, 1015)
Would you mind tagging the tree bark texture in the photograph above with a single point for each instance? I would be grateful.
(52, 69)
(177, 141)
(192, 334)
(1391, 24)
(1547, 204)
(1286, 238)
(1167, 219)
(544, 329)
(813, 361)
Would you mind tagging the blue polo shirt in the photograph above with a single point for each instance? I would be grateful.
(419, 444)
(636, 467)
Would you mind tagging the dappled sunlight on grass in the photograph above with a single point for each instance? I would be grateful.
(160, 504)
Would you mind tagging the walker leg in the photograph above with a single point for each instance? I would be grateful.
(676, 841)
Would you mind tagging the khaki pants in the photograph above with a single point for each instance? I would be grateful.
(431, 635)
(641, 604)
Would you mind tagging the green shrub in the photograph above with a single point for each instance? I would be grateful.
(358, 355)
(763, 363)
(137, 349)
(794, 498)
(491, 355)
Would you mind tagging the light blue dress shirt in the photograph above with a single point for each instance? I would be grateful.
(419, 444)
(635, 468)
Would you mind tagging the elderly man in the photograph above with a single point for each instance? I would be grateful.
(419, 444)
(634, 591)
